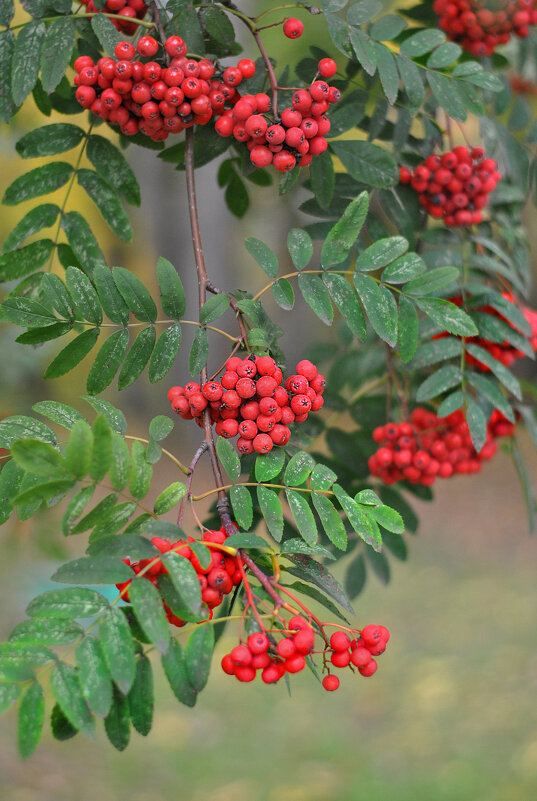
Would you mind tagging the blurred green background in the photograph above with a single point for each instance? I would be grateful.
(450, 715)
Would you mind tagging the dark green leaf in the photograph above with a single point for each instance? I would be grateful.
(135, 294)
(388, 518)
(229, 458)
(303, 516)
(79, 449)
(26, 58)
(101, 454)
(387, 69)
(7, 46)
(106, 33)
(443, 379)
(263, 255)
(497, 368)
(31, 719)
(169, 497)
(268, 466)
(82, 241)
(407, 336)
(381, 253)
(107, 362)
(62, 729)
(118, 648)
(94, 677)
(322, 178)
(300, 247)
(444, 313)
(358, 518)
(283, 294)
(185, 582)
(444, 55)
(7, 12)
(172, 293)
(298, 469)
(141, 697)
(317, 297)
(113, 304)
(422, 42)
(93, 570)
(355, 577)
(39, 181)
(364, 49)
(37, 335)
(56, 52)
(241, 503)
(272, 511)
(137, 357)
(346, 301)
(380, 307)
(218, 25)
(117, 723)
(49, 140)
(309, 570)
(446, 93)
(477, 423)
(21, 427)
(149, 611)
(46, 632)
(112, 166)
(367, 162)
(38, 457)
(43, 216)
(174, 665)
(490, 390)
(60, 413)
(199, 352)
(107, 201)
(141, 471)
(71, 602)
(65, 683)
(405, 268)
(331, 520)
(84, 295)
(431, 282)
(412, 82)
(246, 541)
(198, 654)
(345, 232)
(213, 308)
(17, 264)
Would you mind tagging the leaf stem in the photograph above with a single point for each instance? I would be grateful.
(174, 459)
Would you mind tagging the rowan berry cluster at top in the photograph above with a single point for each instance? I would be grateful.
(455, 185)
(218, 579)
(295, 135)
(251, 401)
(480, 27)
(428, 447)
(148, 97)
(504, 351)
(136, 9)
(275, 657)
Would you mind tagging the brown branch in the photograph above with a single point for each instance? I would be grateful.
(262, 578)
(191, 467)
(157, 19)
(233, 303)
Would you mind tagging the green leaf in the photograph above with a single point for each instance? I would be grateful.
(412, 82)
(82, 241)
(79, 449)
(7, 46)
(56, 52)
(241, 503)
(269, 465)
(331, 520)
(198, 655)
(129, 544)
(106, 33)
(31, 718)
(405, 268)
(490, 390)
(367, 163)
(381, 253)
(477, 423)
(247, 541)
(65, 683)
(135, 294)
(357, 518)
(118, 648)
(272, 511)
(70, 603)
(283, 294)
(497, 368)
(345, 232)
(229, 458)
(38, 457)
(380, 307)
(107, 201)
(114, 519)
(101, 454)
(59, 412)
(298, 469)
(141, 471)
(137, 357)
(322, 477)
(380, 566)
(36, 182)
(49, 140)
(26, 57)
(364, 49)
(113, 304)
(447, 94)
(387, 69)
(303, 516)
(422, 42)
(388, 518)
(94, 677)
(444, 55)
(141, 697)
(169, 497)
(317, 297)
(199, 352)
(310, 570)
(452, 319)
(346, 301)
(443, 379)
(408, 333)
(61, 728)
(84, 295)
(117, 723)
(160, 427)
(263, 255)
(355, 577)
(107, 362)
(72, 354)
(17, 264)
(43, 216)
(300, 247)
(149, 611)
(431, 282)
(174, 665)
(322, 177)
(120, 465)
(46, 632)
(21, 427)
(172, 293)
(213, 308)
(185, 582)
(115, 417)
(218, 25)
(37, 335)
(7, 12)
(93, 570)
(112, 166)
(8, 695)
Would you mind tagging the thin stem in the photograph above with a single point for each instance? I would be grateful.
(157, 19)
(190, 472)
(165, 452)
(238, 314)
(225, 487)
(262, 578)
(237, 340)
(280, 8)
(270, 71)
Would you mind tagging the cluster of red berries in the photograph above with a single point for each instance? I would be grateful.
(358, 652)
(454, 186)
(126, 8)
(429, 447)
(480, 27)
(146, 97)
(500, 426)
(504, 352)
(296, 135)
(250, 401)
(216, 580)
(259, 653)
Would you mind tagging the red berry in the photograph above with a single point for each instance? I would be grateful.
(331, 683)
(147, 46)
(327, 67)
(293, 28)
(339, 641)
